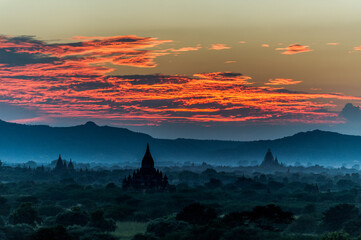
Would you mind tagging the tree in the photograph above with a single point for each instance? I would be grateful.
(54, 233)
(143, 237)
(25, 213)
(160, 227)
(235, 219)
(304, 224)
(97, 220)
(336, 216)
(309, 209)
(242, 233)
(17, 232)
(75, 216)
(353, 227)
(213, 183)
(336, 236)
(197, 213)
(270, 217)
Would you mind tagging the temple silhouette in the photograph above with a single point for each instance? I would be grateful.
(269, 162)
(63, 166)
(147, 177)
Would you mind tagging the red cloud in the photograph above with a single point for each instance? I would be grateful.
(282, 81)
(219, 46)
(294, 49)
(207, 97)
(72, 80)
(118, 50)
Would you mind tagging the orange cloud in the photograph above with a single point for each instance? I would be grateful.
(242, 42)
(333, 44)
(187, 49)
(294, 49)
(230, 61)
(219, 46)
(265, 45)
(74, 80)
(119, 50)
(357, 48)
(282, 81)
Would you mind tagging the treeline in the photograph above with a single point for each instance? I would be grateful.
(210, 204)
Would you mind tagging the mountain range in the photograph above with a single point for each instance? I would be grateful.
(105, 144)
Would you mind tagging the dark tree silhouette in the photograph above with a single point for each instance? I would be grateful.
(161, 227)
(214, 183)
(25, 213)
(353, 227)
(270, 217)
(235, 219)
(197, 213)
(97, 220)
(336, 216)
(56, 233)
(75, 216)
(336, 236)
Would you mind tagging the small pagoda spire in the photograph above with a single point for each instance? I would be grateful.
(70, 165)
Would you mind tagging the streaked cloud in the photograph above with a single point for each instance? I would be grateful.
(265, 45)
(282, 81)
(219, 46)
(294, 49)
(185, 49)
(332, 44)
(119, 50)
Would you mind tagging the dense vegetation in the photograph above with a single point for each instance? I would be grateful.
(202, 203)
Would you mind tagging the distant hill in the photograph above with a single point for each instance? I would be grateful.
(93, 143)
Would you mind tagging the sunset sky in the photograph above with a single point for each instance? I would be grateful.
(241, 70)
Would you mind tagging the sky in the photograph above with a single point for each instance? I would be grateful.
(205, 69)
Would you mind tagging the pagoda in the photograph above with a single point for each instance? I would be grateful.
(147, 177)
(269, 162)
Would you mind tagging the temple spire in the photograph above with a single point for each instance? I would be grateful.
(147, 177)
(59, 163)
(147, 162)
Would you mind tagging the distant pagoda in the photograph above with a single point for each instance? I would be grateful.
(147, 177)
(269, 162)
(63, 166)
